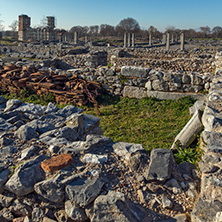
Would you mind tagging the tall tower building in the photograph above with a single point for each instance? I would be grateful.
(24, 27)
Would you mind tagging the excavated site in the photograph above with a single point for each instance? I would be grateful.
(56, 164)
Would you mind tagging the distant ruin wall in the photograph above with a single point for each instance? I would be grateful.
(141, 82)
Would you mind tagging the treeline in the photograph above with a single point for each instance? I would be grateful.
(131, 25)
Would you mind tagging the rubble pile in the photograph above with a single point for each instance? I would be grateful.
(65, 89)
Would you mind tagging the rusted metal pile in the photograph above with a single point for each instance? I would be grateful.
(65, 90)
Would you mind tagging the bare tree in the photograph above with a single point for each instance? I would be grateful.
(94, 30)
(217, 31)
(14, 27)
(170, 29)
(205, 30)
(43, 21)
(107, 30)
(128, 25)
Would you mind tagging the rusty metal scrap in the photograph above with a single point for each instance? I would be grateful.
(65, 90)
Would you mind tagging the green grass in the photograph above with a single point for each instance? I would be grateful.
(151, 122)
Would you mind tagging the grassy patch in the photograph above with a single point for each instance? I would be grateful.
(151, 122)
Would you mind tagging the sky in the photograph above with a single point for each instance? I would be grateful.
(181, 14)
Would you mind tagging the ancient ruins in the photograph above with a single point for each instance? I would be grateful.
(56, 165)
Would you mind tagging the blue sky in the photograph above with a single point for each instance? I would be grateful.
(182, 14)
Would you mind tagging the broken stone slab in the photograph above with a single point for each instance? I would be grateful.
(6, 126)
(125, 210)
(173, 95)
(126, 150)
(95, 142)
(53, 189)
(205, 210)
(68, 110)
(83, 191)
(26, 133)
(74, 148)
(55, 120)
(26, 176)
(35, 109)
(54, 141)
(68, 133)
(133, 71)
(189, 132)
(6, 200)
(51, 108)
(161, 164)
(28, 152)
(40, 126)
(134, 92)
(83, 123)
(12, 104)
(94, 158)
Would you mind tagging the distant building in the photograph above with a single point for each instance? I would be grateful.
(24, 29)
(25, 32)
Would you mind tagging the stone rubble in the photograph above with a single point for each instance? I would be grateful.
(49, 175)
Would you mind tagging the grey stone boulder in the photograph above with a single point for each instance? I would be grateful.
(83, 123)
(68, 110)
(4, 175)
(75, 212)
(126, 150)
(31, 108)
(51, 108)
(26, 176)
(95, 142)
(67, 133)
(12, 104)
(161, 164)
(159, 85)
(134, 92)
(55, 120)
(133, 71)
(53, 189)
(6, 126)
(40, 126)
(116, 207)
(74, 147)
(26, 133)
(54, 141)
(28, 152)
(83, 191)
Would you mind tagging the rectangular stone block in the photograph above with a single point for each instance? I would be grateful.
(134, 92)
(173, 95)
(132, 71)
